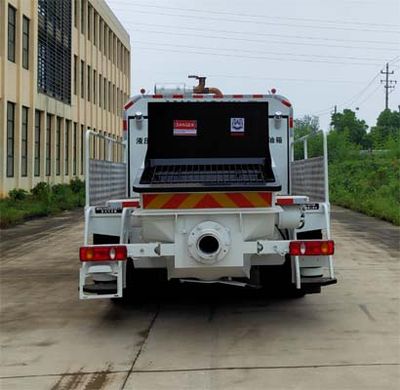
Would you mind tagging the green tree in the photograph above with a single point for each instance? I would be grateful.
(340, 148)
(355, 128)
(306, 125)
(387, 129)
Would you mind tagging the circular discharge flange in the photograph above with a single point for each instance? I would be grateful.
(209, 242)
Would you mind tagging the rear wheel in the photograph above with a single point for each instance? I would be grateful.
(139, 282)
(277, 280)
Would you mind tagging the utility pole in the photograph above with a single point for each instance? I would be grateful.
(389, 84)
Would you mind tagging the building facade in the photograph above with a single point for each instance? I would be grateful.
(64, 68)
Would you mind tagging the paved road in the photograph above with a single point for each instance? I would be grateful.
(191, 338)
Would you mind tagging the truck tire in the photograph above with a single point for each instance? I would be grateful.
(276, 281)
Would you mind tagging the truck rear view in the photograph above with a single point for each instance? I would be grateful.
(211, 195)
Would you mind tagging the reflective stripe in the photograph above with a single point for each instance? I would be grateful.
(207, 200)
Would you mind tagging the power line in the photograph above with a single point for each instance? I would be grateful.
(241, 77)
(239, 51)
(350, 101)
(258, 78)
(369, 96)
(185, 34)
(268, 23)
(215, 12)
(256, 57)
(252, 34)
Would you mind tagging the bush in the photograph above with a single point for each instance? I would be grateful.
(43, 200)
(369, 184)
(63, 197)
(41, 190)
(17, 194)
(77, 185)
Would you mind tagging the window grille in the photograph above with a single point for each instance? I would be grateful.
(54, 49)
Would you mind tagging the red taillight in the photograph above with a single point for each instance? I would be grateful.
(291, 122)
(103, 253)
(311, 248)
(284, 201)
(124, 125)
(286, 103)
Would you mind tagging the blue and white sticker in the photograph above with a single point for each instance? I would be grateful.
(237, 125)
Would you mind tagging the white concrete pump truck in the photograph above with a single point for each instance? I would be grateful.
(205, 188)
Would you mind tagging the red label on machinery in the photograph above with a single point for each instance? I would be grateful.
(185, 127)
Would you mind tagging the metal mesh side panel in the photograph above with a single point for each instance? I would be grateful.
(107, 180)
(308, 178)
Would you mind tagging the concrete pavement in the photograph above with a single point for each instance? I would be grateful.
(199, 337)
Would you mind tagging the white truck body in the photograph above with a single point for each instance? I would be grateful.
(204, 232)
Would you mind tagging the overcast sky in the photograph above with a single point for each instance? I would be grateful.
(318, 53)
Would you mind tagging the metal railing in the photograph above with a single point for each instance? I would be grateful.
(309, 176)
(105, 169)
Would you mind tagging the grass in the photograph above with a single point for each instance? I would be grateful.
(43, 200)
(369, 184)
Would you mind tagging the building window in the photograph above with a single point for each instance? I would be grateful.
(54, 49)
(25, 42)
(114, 48)
(105, 94)
(100, 87)
(118, 56)
(58, 146)
(82, 148)
(75, 148)
(76, 13)
(89, 84)
(109, 96)
(122, 104)
(37, 143)
(48, 145)
(105, 42)
(24, 142)
(101, 26)
(127, 61)
(122, 58)
(75, 74)
(83, 13)
(110, 45)
(114, 103)
(66, 143)
(10, 138)
(89, 22)
(94, 87)
(12, 19)
(95, 27)
(82, 79)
